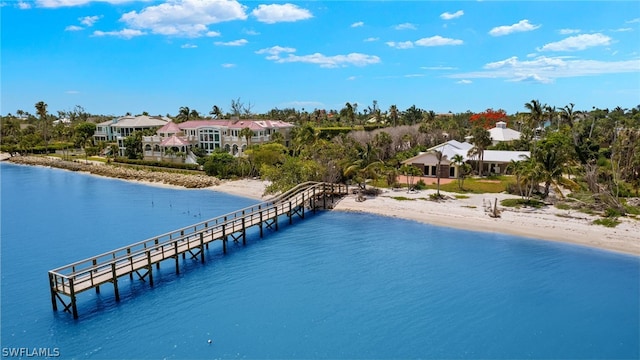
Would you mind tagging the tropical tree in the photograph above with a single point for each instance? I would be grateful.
(365, 166)
(84, 136)
(348, 113)
(409, 172)
(393, 114)
(247, 134)
(463, 169)
(219, 164)
(536, 113)
(481, 141)
(194, 114)
(41, 109)
(216, 112)
(551, 114)
(183, 114)
(383, 141)
(277, 137)
(553, 154)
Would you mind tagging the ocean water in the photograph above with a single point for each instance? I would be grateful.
(336, 285)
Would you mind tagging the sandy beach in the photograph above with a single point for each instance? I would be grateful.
(549, 223)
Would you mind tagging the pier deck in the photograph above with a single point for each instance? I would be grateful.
(68, 281)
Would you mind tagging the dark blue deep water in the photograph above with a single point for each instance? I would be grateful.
(339, 285)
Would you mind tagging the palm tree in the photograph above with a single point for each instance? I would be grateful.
(183, 114)
(458, 160)
(409, 171)
(481, 140)
(194, 114)
(216, 112)
(41, 109)
(536, 111)
(551, 113)
(393, 114)
(247, 134)
(303, 137)
(517, 169)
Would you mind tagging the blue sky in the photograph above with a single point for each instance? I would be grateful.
(118, 56)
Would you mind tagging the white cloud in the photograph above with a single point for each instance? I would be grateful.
(124, 33)
(430, 41)
(633, 21)
(23, 5)
(464, 81)
(89, 20)
(568, 31)
(189, 46)
(622, 29)
(275, 51)
(72, 92)
(228, 65)
(413, 75)
(371, 39)
(578, 42)
(351, 78)
(69, 3)
(438, 41)
(212, 34)
(73, 28)
(184, 18)
(521, 26)
(357, 24)
(534, 78)
(449, 16)
(239, 42)
(547, 69)
(355, 59)
(324, 61)
(437, 68)
(400, 45)
(405, 26)
(276, 13)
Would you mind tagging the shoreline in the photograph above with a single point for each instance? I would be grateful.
(546, 224)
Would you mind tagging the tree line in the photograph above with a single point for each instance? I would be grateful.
(598, 148)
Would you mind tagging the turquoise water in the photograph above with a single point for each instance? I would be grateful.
(338, 285)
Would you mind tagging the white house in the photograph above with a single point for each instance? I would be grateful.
(501, 133)
(494, 161)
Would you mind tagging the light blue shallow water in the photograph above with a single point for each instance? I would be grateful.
(338, 285)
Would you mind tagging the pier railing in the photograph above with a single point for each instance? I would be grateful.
(138, 258)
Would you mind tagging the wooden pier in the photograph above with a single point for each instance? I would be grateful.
(139, 258)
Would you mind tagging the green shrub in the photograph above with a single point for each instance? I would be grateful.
(160, 164)
(517, 203)
(612, 213)
(402, 198)
(608, 222)
(420, 185)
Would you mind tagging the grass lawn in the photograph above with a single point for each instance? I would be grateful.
(494, 184)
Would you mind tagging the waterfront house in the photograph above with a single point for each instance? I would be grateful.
(494, 161)
(174, 142)
(116, 130)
